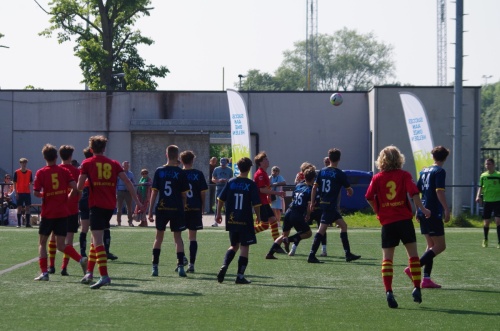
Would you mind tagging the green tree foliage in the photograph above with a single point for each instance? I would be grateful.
(490, 116)
(105, 41)
(346, 61)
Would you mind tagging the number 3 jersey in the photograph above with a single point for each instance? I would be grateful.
(240, 195)
(170, 182)
(388, 190)
(329, 182)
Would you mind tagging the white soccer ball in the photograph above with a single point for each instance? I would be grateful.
(336, 99)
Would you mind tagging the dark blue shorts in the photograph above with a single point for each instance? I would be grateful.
(398, 231)
(433, 226)
(244, 237)
(295, 219)
(57, 225)
(266, 213)
(24, 199)
(83, 206)
(73, 223)
(175, 218)
(330, 216)
(194, 220)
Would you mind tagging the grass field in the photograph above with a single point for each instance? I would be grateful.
(285, 294)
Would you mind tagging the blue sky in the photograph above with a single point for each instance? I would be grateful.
(198, 40)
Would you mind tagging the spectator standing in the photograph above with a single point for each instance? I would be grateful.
(144, 194)
(122, 194)
(23, 179)
(213, 198)
(220, 176)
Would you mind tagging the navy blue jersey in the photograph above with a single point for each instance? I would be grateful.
(240, 195)
(170, 182)
(431, 180)
(329, 182)
(197, 184)
(301, 197)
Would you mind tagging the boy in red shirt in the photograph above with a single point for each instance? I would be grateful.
(51, 184)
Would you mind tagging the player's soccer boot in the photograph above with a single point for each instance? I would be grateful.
(190, 269)
(351, 257)
(222, 274)
(408, 273)
(103, 281)
(215, 224)
(292, 250)
(428, 283)
(83, 263)
(498, 245)
(43, 277)
(154, 272)
(87, 279)
(182, 272)
(52, 270)
(242, 280)
(64, 272)
(417, 295)
(280, 250)
(111, 256)
(313, 259)
(391, 301)
(271, 257)
(286, 243)
(485, 243)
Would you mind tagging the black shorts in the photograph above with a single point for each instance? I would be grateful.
(330, 216)
(244, 237)
(266, 213)
(398, 231)
(24, 199)
(315, 216)
(433, 226)
(488, 208)
(73, 223)
(57, 225)
(176, 219)
(295, 219)
(99, 218)
(83, 206)
(194, 220)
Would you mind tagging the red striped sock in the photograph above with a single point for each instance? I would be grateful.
(387, 274)
(72, 253)
(52, 252)
(416, 271)
(102, 260)
(275, 233)
(65, 261)
(92, 259)
(261, 226)
(42, 262)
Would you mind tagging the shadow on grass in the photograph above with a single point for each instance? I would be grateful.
(114, 287)
(460, 311)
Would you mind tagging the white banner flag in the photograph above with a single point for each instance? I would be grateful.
(418, 130)
(240, 130)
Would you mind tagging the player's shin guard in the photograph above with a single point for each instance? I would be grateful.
(180, 258)
(228, 258)
(92, 259)
(316, 242)
(427, 261)
(345, 242)
(102, 260)
(387, 274)
(275, 233)
(486, 230)
(42, 262)
(242, 265)
(193, 250)
(156, 255)
(52, 252)
(416, 271)
(71, 252)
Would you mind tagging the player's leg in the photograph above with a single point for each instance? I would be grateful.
(234, 239)
(52, 250)
(179, 249)
(128, 203)
(497, 221)
(487, 210)
(42, 253)
(276, 244)
(345, 240)
(160, 234)
(388, 272)
(242, 265)
(119, 207)
(193, 249)
(317, 241)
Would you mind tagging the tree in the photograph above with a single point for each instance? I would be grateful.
(490, 115)
(105, 41)
(345, 61)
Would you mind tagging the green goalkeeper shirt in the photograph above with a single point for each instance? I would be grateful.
(490, 184)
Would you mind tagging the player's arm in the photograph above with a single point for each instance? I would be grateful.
(203, 195)
(479, 195)
(74, 189)
(218, 216)
(130, 188)
(267, 190)
(152, 201)
(420, 205)
(441, 195)
(256, 209)
(81, 182)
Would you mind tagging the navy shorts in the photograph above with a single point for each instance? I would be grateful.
(24, 200)
(266, 213)
(398, 231)
(330, 216)
(315, 216)
(433, 226)
(295, 219)
(491, 207)
(176, 219)
(99, 218)
(57, 225)
(83, 206)
(194, 220)
(73, 223)
(244, 237)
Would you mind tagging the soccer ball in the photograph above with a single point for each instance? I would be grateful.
(336, 99)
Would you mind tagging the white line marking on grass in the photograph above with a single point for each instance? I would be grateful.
(17, 266)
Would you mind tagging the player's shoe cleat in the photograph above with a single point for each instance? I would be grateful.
(190, 269)
(286, 243)
(154, 272)
(351, 257)
(215, 225)
(103, 281)
(323, 254)
(417, 295)
(64, 272)
(52, 270)
(87, 279)
(292, 250)
(280, 250)
(428, 283)
(111, 256)
(313, 259)
(83, 263)
(485, 243)
(242, 280)
(43, 277)
(408, 273)
(271, 257)
(222, 274)
(182, 272)
(391, 301)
